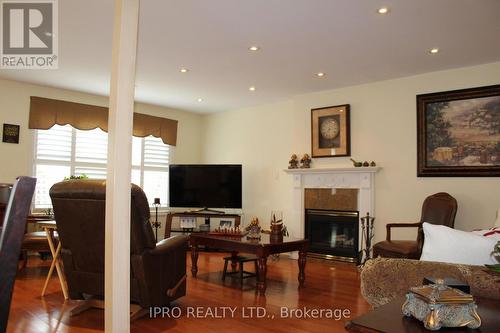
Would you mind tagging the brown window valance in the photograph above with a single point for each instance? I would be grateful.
(46, 112)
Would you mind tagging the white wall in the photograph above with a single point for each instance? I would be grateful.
(383, 128)
(16, 159)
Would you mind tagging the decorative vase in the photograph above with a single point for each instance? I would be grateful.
(276, 233)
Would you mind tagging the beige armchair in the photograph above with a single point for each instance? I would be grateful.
(385, 279)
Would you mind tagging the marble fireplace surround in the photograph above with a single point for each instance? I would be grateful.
(362, 178)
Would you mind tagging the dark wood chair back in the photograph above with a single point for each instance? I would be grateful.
(438, 209)
(4, 198)
(11, 236)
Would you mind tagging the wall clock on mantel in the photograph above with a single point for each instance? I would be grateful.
(330, 131)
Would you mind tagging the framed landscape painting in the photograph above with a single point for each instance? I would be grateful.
(458, 133)
(330, 136)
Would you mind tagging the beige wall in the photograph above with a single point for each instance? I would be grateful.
(262, 138)
(383, 128)
(16, 159)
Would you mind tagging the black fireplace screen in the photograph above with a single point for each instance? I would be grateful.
(333, 232)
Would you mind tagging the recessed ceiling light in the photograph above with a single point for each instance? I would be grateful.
(383, 10)
(184, 70)
(254, 48)
(200, 100)
(320, 74)
(434, 50)
(252, 88)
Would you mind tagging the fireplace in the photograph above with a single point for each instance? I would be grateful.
(333, 234)
(335, 188)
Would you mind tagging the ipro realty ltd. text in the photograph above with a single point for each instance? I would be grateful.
(221, 312)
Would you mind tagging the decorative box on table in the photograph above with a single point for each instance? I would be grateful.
(450, 282)
(437, 306)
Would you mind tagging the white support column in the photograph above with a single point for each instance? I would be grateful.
(121, 108)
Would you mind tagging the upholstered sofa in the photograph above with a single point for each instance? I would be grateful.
(384, 279)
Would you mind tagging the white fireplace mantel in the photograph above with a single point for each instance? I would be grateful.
(333, 170)
(361, 178)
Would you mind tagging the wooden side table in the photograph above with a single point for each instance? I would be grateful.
(50, 227)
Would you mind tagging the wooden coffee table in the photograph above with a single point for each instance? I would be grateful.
(261, 248)
(389, 319)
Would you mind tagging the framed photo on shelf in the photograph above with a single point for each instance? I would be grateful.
(223, 224)
(330, 133)
(458, 133)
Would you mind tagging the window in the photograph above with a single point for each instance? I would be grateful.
(63, 151)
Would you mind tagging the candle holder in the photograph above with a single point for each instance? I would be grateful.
(156, 224)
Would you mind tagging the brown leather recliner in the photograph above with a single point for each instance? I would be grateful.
(158, 271)
(439, 208)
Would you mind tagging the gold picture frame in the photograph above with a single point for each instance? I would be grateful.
(330, 131)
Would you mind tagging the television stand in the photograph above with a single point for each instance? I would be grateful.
(206, 209)
(205, 213)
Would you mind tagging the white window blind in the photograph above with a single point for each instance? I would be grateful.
(156, 153)
(63, 151)
(54, 144)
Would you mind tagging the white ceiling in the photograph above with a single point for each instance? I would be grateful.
(346, 39)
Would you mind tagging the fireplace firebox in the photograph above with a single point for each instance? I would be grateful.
(333, 234)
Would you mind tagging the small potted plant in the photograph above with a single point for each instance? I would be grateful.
(496, 252)
(83, 176)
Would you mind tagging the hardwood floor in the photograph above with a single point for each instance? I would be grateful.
(329, 285)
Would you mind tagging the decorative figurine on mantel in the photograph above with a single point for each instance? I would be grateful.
(294, 162)
(356, 163)
(305, 161)
(363, 164)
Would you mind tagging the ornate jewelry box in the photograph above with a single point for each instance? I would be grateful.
(437, 306)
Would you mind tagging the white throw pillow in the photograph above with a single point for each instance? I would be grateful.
(445, 244)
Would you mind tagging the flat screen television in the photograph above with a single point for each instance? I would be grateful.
(205, 186)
